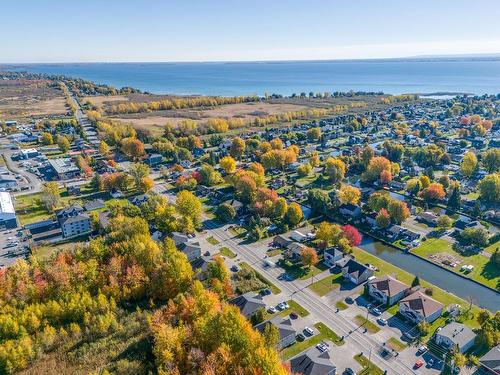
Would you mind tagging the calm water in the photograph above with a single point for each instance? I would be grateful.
(457, 285)
(401, 76)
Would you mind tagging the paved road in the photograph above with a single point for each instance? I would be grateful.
(361, 342)
(32, 180)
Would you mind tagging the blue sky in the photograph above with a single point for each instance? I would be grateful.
(227, 30)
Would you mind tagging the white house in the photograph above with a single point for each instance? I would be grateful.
(455, 335)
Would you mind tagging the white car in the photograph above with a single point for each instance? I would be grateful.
(309, 331)
(422, 349)
(281, 306)
(271, 310)
(382, 321)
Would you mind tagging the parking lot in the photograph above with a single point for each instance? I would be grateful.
(12, 247)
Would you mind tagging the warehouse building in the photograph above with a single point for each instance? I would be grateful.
(7, 213)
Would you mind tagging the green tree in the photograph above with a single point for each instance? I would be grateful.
(271, 335)
(398, 210)
(188, 205)
(237, 148)
(444, 222)
(51, 197)
(489, 188)
(138, 171)
(415, 282)
(491, 160)
(225, 213)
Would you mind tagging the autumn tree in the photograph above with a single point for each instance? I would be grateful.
(309, 257)
(304, 170)
(434, 192)
(314, 134)
(47, 139)
(351, 234)
(383, 218)
(398, 210)
(138, 171)
(328, 234)
(375, 167)
(51, 197)
(294, 214)
(491, 160)
(104, 149)
(225, 213)
(63, 143)
(379, 200)
(188, 205)
(228, 164)
(132, 147)
(469, 164)
(335, 169)
(349, 194)
(444, 222)
(237, 148)
(209, 176)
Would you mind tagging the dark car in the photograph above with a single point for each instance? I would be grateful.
(349, 300)
(349, 371)
(293, 315)
(265, 292)
(300, 337)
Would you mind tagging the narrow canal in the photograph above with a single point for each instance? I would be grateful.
(448, 281)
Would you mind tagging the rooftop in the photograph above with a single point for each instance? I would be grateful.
(63, 165)
(6, 206)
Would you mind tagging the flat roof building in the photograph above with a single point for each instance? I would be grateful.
(64, 168)
(7, 212)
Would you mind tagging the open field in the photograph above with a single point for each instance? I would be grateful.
(485, 271)
(152, 122)
(22, 98)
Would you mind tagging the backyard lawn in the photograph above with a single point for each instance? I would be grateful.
(326, 285)
(484, 271)
(324, 333)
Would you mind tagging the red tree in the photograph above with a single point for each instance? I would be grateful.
(352, 234)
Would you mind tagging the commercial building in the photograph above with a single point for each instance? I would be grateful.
(63, 168)
(7, 213)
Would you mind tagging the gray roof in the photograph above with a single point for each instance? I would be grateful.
(63, 165)
(491, 360)
(285, 327)
(458, 333)
(313, 362)
(6, 205)
(248, 303)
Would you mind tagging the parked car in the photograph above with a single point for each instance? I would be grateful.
(265, 292)
(375, 311)
(382, 321)
(294, 315)
(418, 364)
(309, 331)
(430, 363)
(349, 371)
(422, 349)
(271, 310)
(349, 300)
(235, 268)
(300, 337)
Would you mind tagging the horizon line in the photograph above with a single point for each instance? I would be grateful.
(493, 55)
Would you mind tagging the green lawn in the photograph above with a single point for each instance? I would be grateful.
(212, 240)
(271, 286)
(395, 344)
(326, 285)
(300, 272)
(362, 321)
(324, 333)
(341, 305)
(385, 268)
(296, 308)
(227, 252)
(491, 249)
(484, 271)
(237, 231)
(45, 251)
(369, 368)
(274, 252)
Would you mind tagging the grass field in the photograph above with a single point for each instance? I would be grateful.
(362, 321)
(324, 333)
(369, 368)
(341, 305)
(395, 344)
(300, 272)
(296, 308)
(271, 286)
(227, 252)
(212, 240)
(484, 271)
(326, 285)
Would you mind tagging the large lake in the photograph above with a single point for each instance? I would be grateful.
(477, 76)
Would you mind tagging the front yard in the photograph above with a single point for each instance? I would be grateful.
(326, 285)
(324, 333)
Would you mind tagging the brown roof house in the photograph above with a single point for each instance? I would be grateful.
(418, 307)
(387, 290)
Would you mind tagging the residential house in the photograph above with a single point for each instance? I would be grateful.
(187, 245)
(285, 328)
(313, 362)
(352, 211)
(281, 241)
(418, 306)
(355, 272)
(200, 266)
(63, 168)
(455, 335)
(490, 362)
(153, 159)
(387, 290)
(331, 256)
(96, 204)
(73, 221)
(294, 249)
(428, 217)
(138, 199)
(248, 303)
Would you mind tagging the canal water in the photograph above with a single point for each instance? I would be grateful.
(446, 280)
